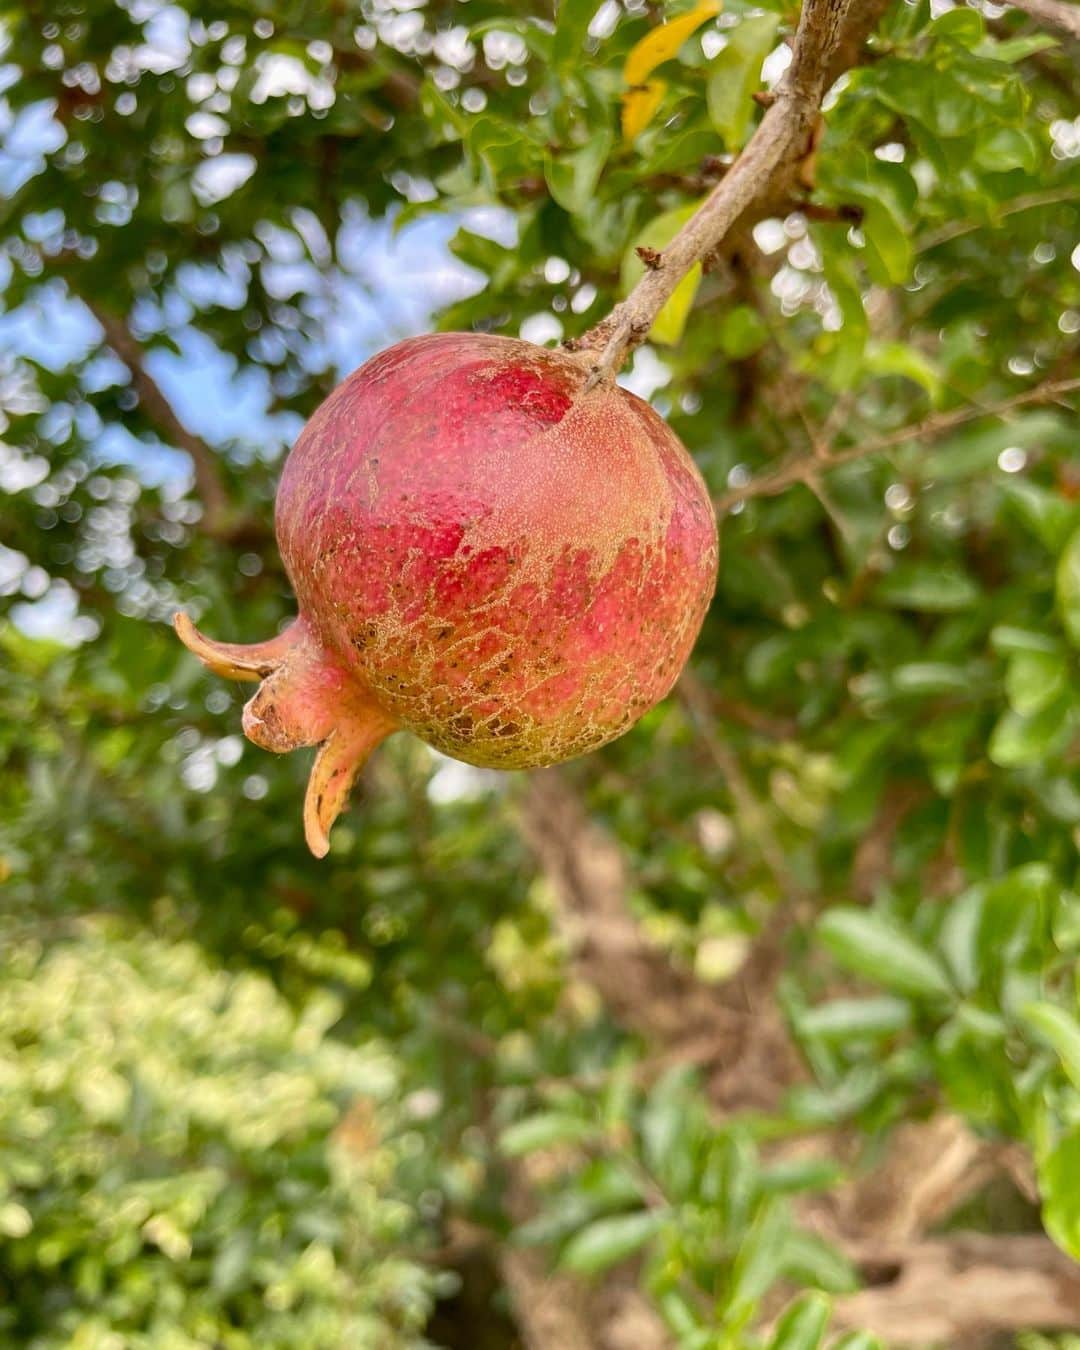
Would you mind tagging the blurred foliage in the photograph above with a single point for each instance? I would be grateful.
(165, 1170)
(256, 1139)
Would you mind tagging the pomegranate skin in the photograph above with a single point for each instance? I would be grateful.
(484, 553)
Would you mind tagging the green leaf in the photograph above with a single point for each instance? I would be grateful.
(937, 99)
(1006, 148)
(1047, 514)
(731, 1176)
(977, 449)
(1011, 50)
(497, 147)
(664, 1117)
(800, 1174)
(232, 1262)
(828, 1106)
(1068, 588)
(742, 332)
(608, 1241)
(571, 25)
(657, 234)
(542, 1131)
(572, 178)
(924, 586)
(802, 1324)
(1062, 1030)
(1015, 911)
(889, 249)
(843, 349)
(959, 25)
(959, 938)
(1034, 679)
(981, 1025)
(1018, 739)
(809, 1259)
(1059, 1185)
(847, 1019)
(930, 677)
(871, 945)
(901, 358)
(858, 1340)
(621, 1090)
(736, 74)
(760, 1260)
(682, 1316)
(602, 1187)
(1008, 639)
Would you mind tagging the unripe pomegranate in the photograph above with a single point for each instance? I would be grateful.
(485, 554)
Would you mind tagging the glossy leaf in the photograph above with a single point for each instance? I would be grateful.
(1062, 1030)
(572, 19)
(543, 1131)
(872, 946)
(802, 1325)
(1068, 588)
(609, 1241)
(1058, 1170)
(572, 178)
(736, 74)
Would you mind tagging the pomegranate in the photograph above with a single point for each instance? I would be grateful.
(484, 553)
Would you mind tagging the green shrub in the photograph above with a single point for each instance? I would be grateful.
(187, 1161)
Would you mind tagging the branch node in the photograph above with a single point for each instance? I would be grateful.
(651, 257)
(847, 212)
(714, 166)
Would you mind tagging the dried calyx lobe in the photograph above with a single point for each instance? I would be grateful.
(484, 554)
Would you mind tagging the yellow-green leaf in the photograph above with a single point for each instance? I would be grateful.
(1068, 588)
(1060, 1029)
(644, 96)
(639, 105)
(662, 43)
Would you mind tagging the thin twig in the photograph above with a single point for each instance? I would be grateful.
(208, 480)
(783, 131)
(1031, 201)
(799, 468)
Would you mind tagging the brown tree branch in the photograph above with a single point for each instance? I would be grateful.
(781, 141)
(734, 1030)
(585, 866)
(1057, 13)
(803, 467)
(1030, 201)
(217, 513)
(951, 1290)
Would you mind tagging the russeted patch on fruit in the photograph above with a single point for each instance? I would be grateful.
(484, 553)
